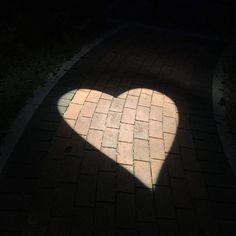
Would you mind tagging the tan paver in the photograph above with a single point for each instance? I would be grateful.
(128, 116)
(125, 153)
(131, 102)
(142, 113)
(142, 171)
(72, 111)
(157, 99)
(156, 113)
(80, 97)
(113, 119)
(88, 109)
(126, 133)
(141, 130)
(155, 129)
(98, 121)
(141, 150)
(82, 125)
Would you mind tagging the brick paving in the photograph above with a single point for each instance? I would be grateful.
(125, 144)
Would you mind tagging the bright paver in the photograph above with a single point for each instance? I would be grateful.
(136, 151)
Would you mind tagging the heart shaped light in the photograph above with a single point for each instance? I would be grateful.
(133, 129)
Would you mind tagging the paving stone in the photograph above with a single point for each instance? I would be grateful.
(145, 205)
(169, 125)
(64, 200)
(183, 122)
(125, 210)
(69, 171)
(68, 95)
(164, 202)
(157, 149)
(175, 166)
(206, 218)
(93, 96)
(131, 102)
(88, 109)
(125, 179)
(90, 163)
(185, 138)
(94, 139)
(141, 150)
(110, 138)
(83, 221)
(142, 172)
(66, 128)
(122, 91)
(86, 190)
(135, 92)
(105, 219)
(103, 106)
(128, 116)
(41, 208)
(141, 130)
(181, 193)
(72, 111)
(170, 143)
(106, 187)
(113, 120)
(157, 99)
(142, 113)
(98, 121)
(49, 173)
(155, 129)
(147, 91)
(145, 100)
(126, 133)
(82, 125)
(106, 95)
(117, 105)
(107, 160)
(189, 159)
(156, 113)
(187, 222)
(76, 144)
(196, 185)
(58, 148)
(169, 110)
(80, 97)
(159, 172)
(125, 153)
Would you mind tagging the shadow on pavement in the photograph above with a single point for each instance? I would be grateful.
(69, 187)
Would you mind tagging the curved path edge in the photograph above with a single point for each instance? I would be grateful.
(31, 105)
(227, 140)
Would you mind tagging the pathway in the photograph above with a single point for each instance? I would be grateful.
(125, 144)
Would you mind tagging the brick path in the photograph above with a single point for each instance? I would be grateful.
(125, 144)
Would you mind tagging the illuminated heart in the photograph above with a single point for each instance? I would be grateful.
(136, 127)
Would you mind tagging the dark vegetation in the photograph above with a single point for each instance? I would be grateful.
(35, 39)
